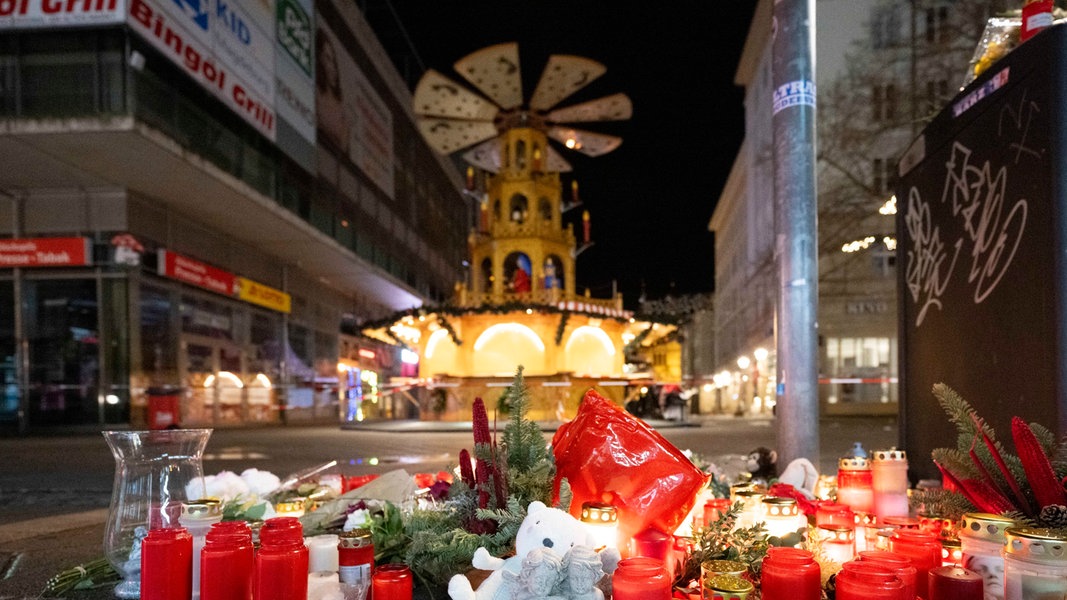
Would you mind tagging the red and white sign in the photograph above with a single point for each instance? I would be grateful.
(27, 14)
(45, 252)
(197, 273)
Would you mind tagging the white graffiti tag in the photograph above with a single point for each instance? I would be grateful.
(977, 199)
(926, 274)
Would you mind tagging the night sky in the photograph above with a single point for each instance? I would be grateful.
(651, 199)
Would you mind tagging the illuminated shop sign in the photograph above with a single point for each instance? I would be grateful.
(205, 276)
(45, 252)
(26, 14)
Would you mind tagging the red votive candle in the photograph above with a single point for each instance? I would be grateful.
(639, 578)
(652, 543)
(714, 508)
(167, 564)
(281, 568)
(899, 564)
(954, 583)
(226, 564)
(859, 580)
(924, 550)
(790, 574)
(833, 514)
(391, 582)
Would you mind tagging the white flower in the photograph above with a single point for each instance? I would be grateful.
(225, 486)
(357, 519)
(259, 482)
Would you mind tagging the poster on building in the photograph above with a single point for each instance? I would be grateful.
(351, 115)
(30, 14)
(45, 252)
(294, 70)
(227, 47)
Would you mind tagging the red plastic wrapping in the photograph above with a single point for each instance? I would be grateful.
(610, 456)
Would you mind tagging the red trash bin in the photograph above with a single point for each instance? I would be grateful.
(164, 407)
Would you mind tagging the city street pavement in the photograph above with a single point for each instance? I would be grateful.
(55, 489)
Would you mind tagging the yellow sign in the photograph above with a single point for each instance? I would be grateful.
(265, 296)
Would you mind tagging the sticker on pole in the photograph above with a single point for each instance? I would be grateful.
(794, 93)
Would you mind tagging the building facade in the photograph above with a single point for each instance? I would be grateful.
(203, 206)
(881, 68)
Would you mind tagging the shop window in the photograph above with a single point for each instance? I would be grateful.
(205, 317)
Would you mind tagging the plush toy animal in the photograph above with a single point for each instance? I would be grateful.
(544, 531)
(762, 464)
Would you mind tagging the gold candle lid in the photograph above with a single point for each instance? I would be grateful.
(985, 526)
(890, 454)
(204, 508)
(853, 463)
(776, 506)
(595, 512)
(712, 568)
(1036, 543)
(730, 584)
(294, 505)
(355, 538)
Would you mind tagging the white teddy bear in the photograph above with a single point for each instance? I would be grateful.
(544, 530)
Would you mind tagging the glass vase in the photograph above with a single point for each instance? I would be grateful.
(155, 472)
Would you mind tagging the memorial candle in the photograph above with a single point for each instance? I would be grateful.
(924, 550)
(790, 574)
(392, 582)
(167, 564)
(860, 580)
(954, 583)
(640, 578)
(898, 564)
(652, 543)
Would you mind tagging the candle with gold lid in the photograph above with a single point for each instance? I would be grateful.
(837, 543)
(290, 508)
(854, 483)
(1035, 564)
(951, 553)
(197, 517)
(727, 587)
(602, 523)
(751, 507)
(889, 478)
(782, 517)
(981, 542)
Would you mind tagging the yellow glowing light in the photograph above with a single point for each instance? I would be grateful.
(890, 207)
(760, 353)
(501, 328)
(431, 344)
(708, 387)
(263, 380)
(224, 377)
(594, 332)
(857, 245)
(890, 242)
(743, 362)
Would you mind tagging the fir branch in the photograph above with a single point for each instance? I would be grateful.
(955, 461)
(1045, 438)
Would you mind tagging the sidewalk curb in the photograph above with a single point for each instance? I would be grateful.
(47, 525)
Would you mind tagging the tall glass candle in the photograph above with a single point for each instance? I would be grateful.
(854, 484)
(392, 582)
(981, 542)
(859, 580)
(281, 568)
(954, 583)
(751, 507)
(837, 543)
(639, 578)
(889, 478)
(790, 574)
(602, 523)
(782, 516)
(951, 553)
(197, 517)
(924, 550)
(322, 553)
(167, 564)
(1035, 564)
(714, 508)
(227, 562)
(355, 557)
(898, 564)
(834, 514)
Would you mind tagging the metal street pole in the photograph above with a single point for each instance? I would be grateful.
(796, 235)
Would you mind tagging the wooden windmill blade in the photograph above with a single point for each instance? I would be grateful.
(616, 107)
(563, 76)
(586, 142)
(448, 135)
(485, 156)
(495, 72)
(438, 96)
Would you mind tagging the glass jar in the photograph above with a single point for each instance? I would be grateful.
(281, 567)
(981, 543)
(640, 578)
(751, 507)
(602, 523)
(782, 517)
(834, 514)
(1035, 564)
(889, 479)
(898, 564)
(954, 583)
(714, 508)
(837, 543)
(355, 557)
(860, 580)
(392, 582)
(790, 574)
(155, 473)
(227, 562)
(951, 553)
(924, 550)
(167, 564)
(854, 484)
